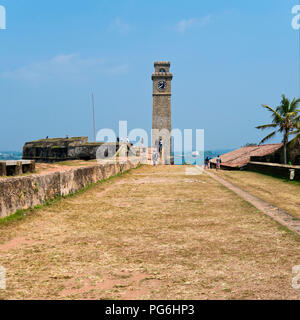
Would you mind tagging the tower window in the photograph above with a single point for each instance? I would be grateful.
(162, 70)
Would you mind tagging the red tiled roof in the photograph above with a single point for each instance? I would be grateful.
(241, 157)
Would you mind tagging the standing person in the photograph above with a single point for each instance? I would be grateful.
(155, 158)
(160, 145)
(206, 163)
(156, 145)
(218, 163)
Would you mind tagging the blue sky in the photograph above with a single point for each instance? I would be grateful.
(228, 57)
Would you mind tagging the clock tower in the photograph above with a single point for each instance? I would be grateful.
(161, 118)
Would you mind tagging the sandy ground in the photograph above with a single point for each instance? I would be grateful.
(152, 233)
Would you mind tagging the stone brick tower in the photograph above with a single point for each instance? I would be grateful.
(161, 118)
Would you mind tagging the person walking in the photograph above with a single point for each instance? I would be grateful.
(206, 163)
(155, 158)
(219, 161)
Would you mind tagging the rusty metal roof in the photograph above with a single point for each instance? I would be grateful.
(240, 157)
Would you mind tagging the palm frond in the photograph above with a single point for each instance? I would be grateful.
(285, 105)
(292, 114)
(266, 126)
(292, 143)
(268, 137)
(294, 105)
(286, 118)
(275, 113)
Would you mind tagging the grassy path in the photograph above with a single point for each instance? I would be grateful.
(283, 217)
(279, 192)
(152, 233)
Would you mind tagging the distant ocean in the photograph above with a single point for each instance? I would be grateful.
(10, 155)
(197, 158)
(179, 158)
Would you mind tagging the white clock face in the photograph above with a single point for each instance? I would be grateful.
(162, 85)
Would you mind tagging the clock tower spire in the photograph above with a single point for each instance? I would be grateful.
(161, 118)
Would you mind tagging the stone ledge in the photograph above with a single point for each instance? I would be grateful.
(16, 167)
(162, 63)
(281, 170)
(276, 165)
(28, 191)
(162, 75)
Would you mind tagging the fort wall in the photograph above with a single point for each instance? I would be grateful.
(65, 149)
(28, 191)
(281, 170)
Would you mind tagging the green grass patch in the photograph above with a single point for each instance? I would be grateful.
(296, 182)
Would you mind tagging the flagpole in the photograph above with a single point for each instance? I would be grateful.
(94, 126)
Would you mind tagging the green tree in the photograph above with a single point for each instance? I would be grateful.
(296, 132)
(285, 120)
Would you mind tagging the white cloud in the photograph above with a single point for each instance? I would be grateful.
(64, 58)
(118, 70)
(121, 27)
(185, 24)
(68, 67)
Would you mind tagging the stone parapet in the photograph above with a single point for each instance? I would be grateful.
(63, 149)
(25, 192)
(281, 170)
(16, 167)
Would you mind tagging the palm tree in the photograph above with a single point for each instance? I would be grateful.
(285, 120)
(296, 132)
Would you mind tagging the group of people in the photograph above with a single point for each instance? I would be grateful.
(207, 163)
(157, 151)
(123, 140)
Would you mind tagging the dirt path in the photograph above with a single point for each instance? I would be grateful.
(154, 233)
(281, 193)
(277, 214)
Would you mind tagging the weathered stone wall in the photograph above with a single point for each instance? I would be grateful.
(275, 169)
(92, 151)
(28, 191)
(62, 149)
(51, 150)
